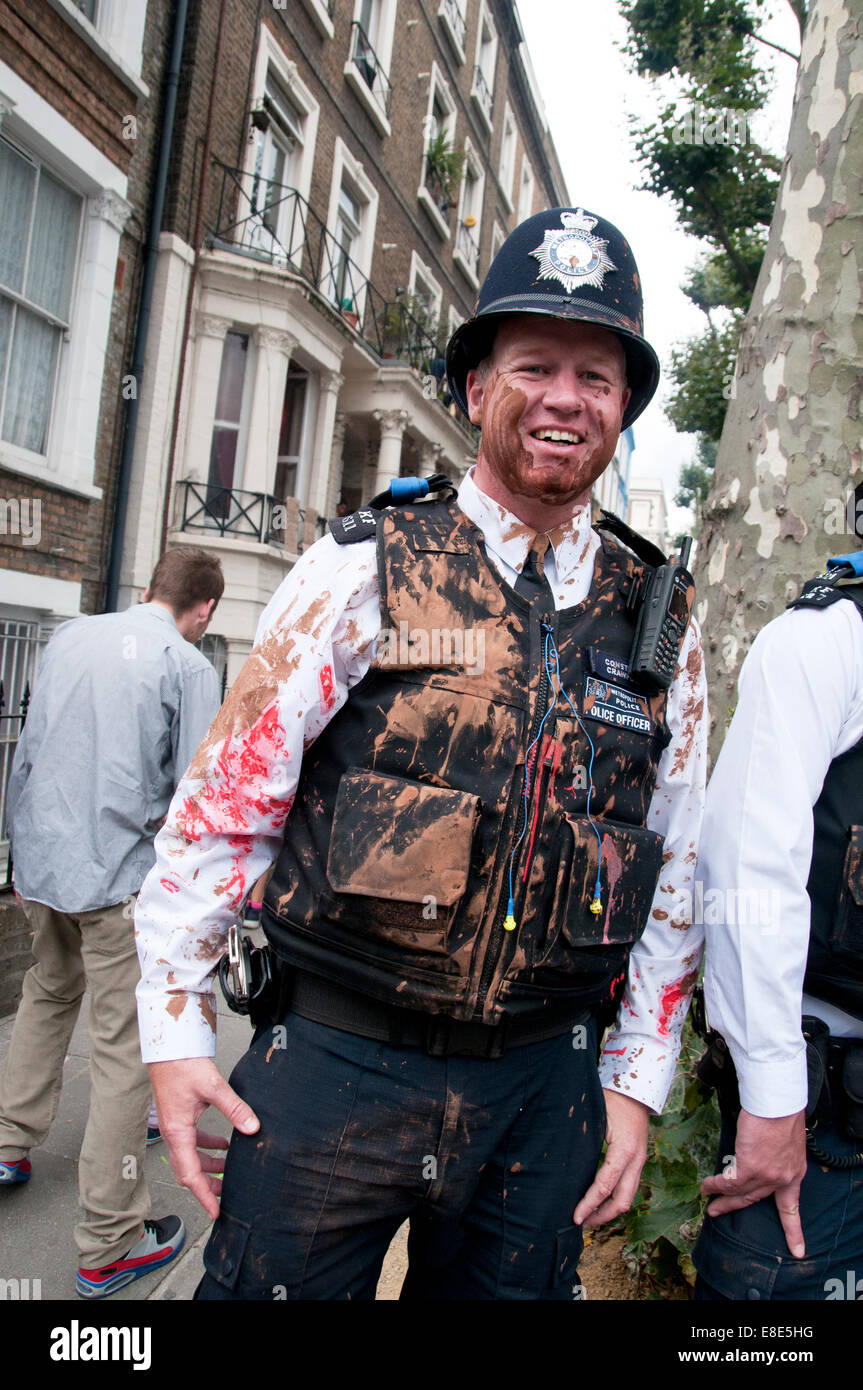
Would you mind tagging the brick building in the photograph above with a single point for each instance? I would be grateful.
(80, 99)
(343, 172)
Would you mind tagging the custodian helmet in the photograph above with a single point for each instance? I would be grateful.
(569, 264)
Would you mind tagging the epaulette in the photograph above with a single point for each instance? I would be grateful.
(359, 525)
(356, 526)
(825, 589)
(639, 545)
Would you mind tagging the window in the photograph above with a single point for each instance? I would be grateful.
(498, 237)
(87, 8)
(291, 432)
(451, 14)
(486, 57)
(506, 168)
(280, 155)
(40, 220)
(525, 192)
(439, 179)
(215, 649)
(425, 308)
(228, 425)
(347, 252)
(466, 252)
(367, 68)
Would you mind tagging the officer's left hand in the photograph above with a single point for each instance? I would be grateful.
(617, 1180)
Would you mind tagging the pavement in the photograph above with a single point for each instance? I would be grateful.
(37, 1218)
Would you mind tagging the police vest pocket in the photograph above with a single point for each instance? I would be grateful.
(629, 868)
(399, 855)
(847, 934)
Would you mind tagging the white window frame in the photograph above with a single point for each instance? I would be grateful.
(345, 162)
(238, 480)
(508, 150)
(37, 128)
(498, 237)
(525, 205)
(117, 37)
(455, 319)
(485, 23)
(382, 43)
(271, 55)
(438, 86)
(456, 40)
(318, 11)
(420, 271)
(474, 164)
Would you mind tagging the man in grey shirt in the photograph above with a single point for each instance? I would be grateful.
(120, 704)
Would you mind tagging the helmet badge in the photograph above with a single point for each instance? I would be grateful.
(571, 255)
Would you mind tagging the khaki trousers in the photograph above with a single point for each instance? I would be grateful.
(74, 949)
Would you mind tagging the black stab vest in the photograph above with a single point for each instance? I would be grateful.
(417, 807)
(834, 963)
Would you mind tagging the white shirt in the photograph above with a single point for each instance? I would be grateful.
(800, 705)
(316, 639)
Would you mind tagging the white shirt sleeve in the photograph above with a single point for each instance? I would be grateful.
(799, 706)
(640, 1053)
(225, 823)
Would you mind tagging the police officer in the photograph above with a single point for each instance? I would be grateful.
(474, 814)
(783, 829)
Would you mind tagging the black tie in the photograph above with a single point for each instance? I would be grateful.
(532, 583)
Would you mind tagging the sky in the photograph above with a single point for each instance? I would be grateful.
(588, 93)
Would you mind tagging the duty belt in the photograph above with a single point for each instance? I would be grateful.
(321, 1001)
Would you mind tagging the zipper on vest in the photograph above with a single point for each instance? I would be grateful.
(498, 933)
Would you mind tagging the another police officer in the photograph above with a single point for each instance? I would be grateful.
(783, 839)
(481, 814)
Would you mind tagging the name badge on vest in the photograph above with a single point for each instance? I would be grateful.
(609, 666)
(611, 704)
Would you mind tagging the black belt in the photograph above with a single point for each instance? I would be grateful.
(321, 1001)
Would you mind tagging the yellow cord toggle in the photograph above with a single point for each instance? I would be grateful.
(596, 906)
(509, 923)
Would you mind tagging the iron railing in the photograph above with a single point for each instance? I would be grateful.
(468, 245)
(457, 21)
(271, 222)
(9, 736)
(250, 516)
(483, 92)
(370, 68)
(438, 193)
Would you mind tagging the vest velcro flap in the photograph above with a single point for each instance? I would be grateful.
(401, 840)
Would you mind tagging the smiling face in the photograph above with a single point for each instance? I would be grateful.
(550, 402)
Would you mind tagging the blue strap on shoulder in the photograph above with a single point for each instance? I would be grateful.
(852, 564)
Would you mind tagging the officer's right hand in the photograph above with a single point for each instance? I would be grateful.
(183, 1090)
(770, 1156)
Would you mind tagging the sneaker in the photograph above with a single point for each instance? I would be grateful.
(19, 1171)
(161, 1241)
(154, 1135)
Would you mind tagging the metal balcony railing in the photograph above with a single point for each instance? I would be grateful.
(439, 195)
(457, 21)
(483, 92)
(273, 223)
(370, 67)
(250, 516)
(468, 245)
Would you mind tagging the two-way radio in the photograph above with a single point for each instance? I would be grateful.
(662, 621)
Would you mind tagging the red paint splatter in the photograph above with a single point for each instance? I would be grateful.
(169, 885)
(672, 997)
(614, 1052)
(327, 684)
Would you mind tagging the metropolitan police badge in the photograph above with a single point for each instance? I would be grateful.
(571, 255)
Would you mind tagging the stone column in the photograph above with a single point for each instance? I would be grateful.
(206, 366)
(392, 423)
(430, 460)
(272, 354)
(337, 462)
(318, 489)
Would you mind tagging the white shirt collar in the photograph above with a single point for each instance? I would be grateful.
(510, 538)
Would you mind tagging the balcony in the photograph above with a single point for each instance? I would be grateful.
(466, 252)
(365, 74)
(482, 94)
(247, 516)
(455, 25)
(436, 200)
(269, 222)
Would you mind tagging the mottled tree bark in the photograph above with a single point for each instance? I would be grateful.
(791, 451)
